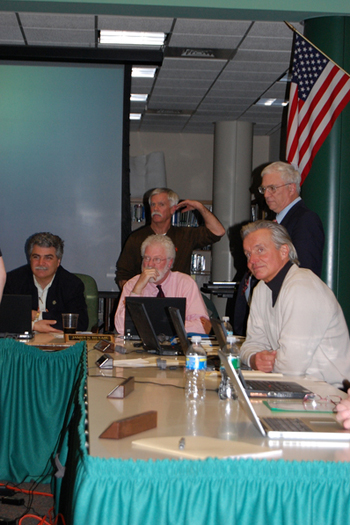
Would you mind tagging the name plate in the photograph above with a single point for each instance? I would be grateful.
(94, 338)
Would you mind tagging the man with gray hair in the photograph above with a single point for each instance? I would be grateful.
(281, 188)
(163, 204)
(157, 280)
(296, 325)
(54, 290)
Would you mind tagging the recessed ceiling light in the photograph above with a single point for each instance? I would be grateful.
(143, 72)
(138, 97)
(132, 38)
(135, 116)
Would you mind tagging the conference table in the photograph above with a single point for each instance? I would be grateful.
(246, 478)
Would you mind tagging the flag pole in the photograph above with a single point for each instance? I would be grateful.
(318, 49)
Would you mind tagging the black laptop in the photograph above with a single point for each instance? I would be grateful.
(157, 310)
(16, 316)
(150, 341)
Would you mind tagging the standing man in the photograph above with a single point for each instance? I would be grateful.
(281, 188)
(157, 280)
(54, 291)
(164, 203)
(296, 325)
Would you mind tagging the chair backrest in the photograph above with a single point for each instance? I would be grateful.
(91, 298)
(210, 307)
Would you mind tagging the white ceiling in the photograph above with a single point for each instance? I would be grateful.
(189, 93)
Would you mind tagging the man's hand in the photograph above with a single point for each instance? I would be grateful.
(263, 361)
(343, 412)
(211, 222)
(189, 205)
(206, 324)
(144, 279)
(46, 326)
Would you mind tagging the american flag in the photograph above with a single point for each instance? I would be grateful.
(319, 92)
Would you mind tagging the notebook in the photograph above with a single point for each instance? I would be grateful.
(146, 331)
(315, 428)
(157, 310)
(16, 316)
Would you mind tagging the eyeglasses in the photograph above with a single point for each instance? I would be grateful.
(272, 188)
(156, 260)
(321, 404)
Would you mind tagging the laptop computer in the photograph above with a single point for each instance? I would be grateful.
(313, 428)
(213, 361)
(157, 310)
(147, 334)
(16, 316)
(220, 332)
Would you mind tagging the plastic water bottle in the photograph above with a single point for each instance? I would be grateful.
(231, 350)
(227, 325)
(196, 366)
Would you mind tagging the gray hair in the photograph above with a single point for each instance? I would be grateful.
(279, 236)
(172, 196)
(287, 171)
(164, 241)
(45, 240)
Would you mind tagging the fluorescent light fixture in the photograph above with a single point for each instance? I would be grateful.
(275, 102)
(143, 72)
(135, 116)
(132, 38)
(138, 97)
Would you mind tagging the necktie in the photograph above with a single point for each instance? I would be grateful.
(160, 293)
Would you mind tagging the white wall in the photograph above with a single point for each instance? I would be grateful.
(188, 160)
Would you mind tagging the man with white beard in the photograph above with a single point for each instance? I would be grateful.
(157, 280)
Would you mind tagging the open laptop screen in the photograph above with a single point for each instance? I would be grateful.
(157, 310)
(16, 315)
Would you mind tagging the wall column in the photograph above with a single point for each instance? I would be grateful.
(233, 142)
(327, 187)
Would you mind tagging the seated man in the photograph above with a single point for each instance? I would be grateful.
(296, 325)
(2, 275)
(158, 254)
(54, 290)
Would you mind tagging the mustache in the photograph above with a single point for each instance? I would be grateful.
(156, 213)
(40, 268)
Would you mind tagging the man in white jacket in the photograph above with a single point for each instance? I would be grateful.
(296, 325)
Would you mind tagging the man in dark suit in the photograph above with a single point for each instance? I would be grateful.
(281, 189)
(54, 290)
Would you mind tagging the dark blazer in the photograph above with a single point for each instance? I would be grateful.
(306, 231)
(65, 295)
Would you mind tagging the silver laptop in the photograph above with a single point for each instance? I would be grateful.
(315, 428)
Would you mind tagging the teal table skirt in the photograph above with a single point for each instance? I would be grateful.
(37, 396)
(210, 492)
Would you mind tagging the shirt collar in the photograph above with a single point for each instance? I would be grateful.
(275, 284)
(281, 215)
